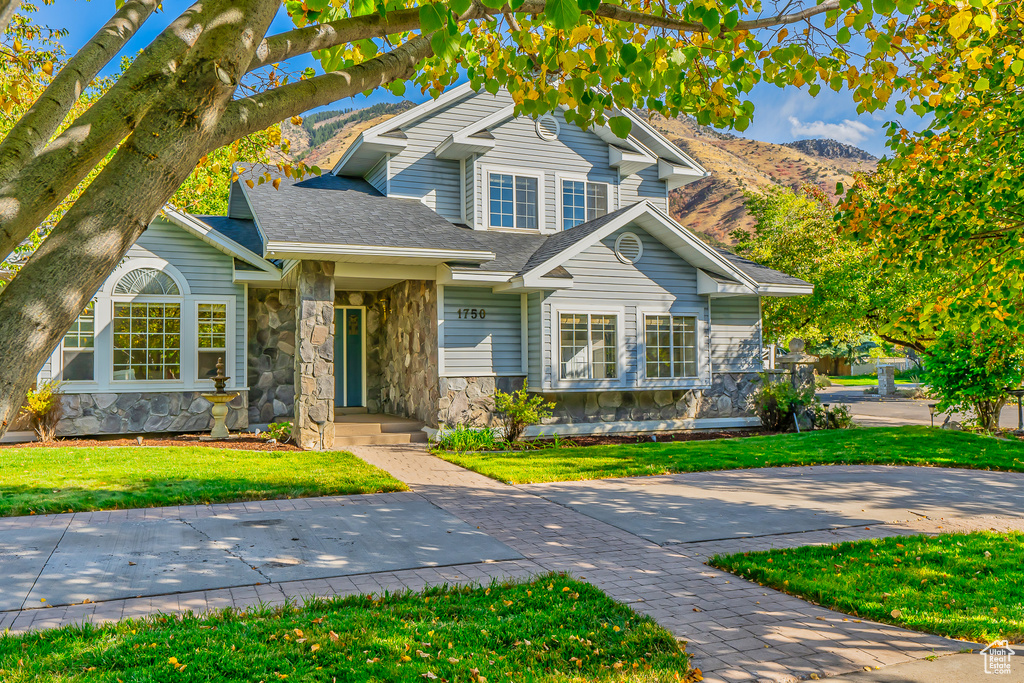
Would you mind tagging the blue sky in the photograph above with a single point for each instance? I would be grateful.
(781, 115)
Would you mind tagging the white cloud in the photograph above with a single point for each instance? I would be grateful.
(850, 132)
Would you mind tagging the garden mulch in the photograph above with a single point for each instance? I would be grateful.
(241, 443)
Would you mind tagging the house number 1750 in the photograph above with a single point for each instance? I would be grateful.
(472, 313)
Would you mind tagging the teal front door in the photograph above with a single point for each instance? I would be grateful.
(348, 358)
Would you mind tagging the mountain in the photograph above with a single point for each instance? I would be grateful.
(716, 206)
(712, 207)
(324, 136)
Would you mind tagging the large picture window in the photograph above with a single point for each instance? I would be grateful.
(78, 354)
(212, 331)
(147, 341)
(589, 345)
(514, 201)
(582, 201)
(670, 346)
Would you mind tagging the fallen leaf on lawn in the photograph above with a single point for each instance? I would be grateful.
(423, 654)
(428, 674)
(298, 632)
(405, 658)
(896, 614)
(453, 660)
(333, 636)
(318, 621)
(314, 647)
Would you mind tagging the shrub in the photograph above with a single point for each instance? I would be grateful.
(279, 431)
(970, 371)
(519, 410)
(44, 408)
(461, 438)
(832, 417)
(821, 382)
(777, 402)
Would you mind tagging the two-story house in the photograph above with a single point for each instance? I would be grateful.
(455, 249)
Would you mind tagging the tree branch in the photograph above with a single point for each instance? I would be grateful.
(284, 46)
(28, 198)
(259, 112)
(7, 10)
(28, 136)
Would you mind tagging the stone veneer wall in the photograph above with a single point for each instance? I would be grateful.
(314, 360)
(408, 351)
(469, 400)
(271, 350)
(131, 413)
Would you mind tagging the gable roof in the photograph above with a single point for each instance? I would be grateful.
(234, 237)
(342, 215)
(752, 278)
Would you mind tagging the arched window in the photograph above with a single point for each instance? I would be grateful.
(147, 281)
(147, 328)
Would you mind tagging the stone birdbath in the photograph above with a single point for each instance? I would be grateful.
(220, 399)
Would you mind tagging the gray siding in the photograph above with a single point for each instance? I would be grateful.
(534, 327)
(207, 270)
(237, 206)
(416, 172)
(474, 346)
(660, 281)
(736, 334)
(378, 175)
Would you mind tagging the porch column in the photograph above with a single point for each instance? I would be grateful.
(314, 356)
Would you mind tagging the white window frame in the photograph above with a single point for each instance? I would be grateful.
(485, 194)
(189, 353)
(613, 197)
(57, 360)
(229, 340)
(703, 378)
(621, 356)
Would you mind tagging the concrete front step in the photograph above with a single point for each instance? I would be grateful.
(341, 441)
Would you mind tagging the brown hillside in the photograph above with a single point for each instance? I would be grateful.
(715, 206)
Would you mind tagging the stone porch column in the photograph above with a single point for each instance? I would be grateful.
(314, 356)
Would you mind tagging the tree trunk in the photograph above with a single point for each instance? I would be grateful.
(39, 305)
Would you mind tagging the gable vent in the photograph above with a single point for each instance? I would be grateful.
(547, 127)
(628, 248)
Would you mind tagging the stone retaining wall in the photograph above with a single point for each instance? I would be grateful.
(133, 413)
(469, 401)
(271, 350)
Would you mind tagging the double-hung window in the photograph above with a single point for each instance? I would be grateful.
(212, 339)
(588, 346)
(147, 329)
(78, 355)
(670, 346)
(514, 201)
(582, 201)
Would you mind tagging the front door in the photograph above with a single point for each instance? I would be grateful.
(348, 358)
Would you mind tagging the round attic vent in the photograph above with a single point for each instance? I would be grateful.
(547, 127)
(629, 248)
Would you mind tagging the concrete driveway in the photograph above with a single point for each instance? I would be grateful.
(707, 506)
(94, 558)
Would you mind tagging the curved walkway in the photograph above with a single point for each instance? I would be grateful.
(644, 542)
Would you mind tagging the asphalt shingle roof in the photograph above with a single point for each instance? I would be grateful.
(560, 241)
(760, 274)
(331, 209)
(242, 231)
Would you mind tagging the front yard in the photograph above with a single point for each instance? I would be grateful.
(552, 629)
(41, 480)
(967, 586)
(877, 446)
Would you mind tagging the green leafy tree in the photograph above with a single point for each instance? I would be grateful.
(952, 196)
(853, 294)
(971, 371)
(213, 75)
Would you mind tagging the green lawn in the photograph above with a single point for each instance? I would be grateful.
(884, 445)
(968, 586)
(860, 381)
(550, 630)
(44, 480)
